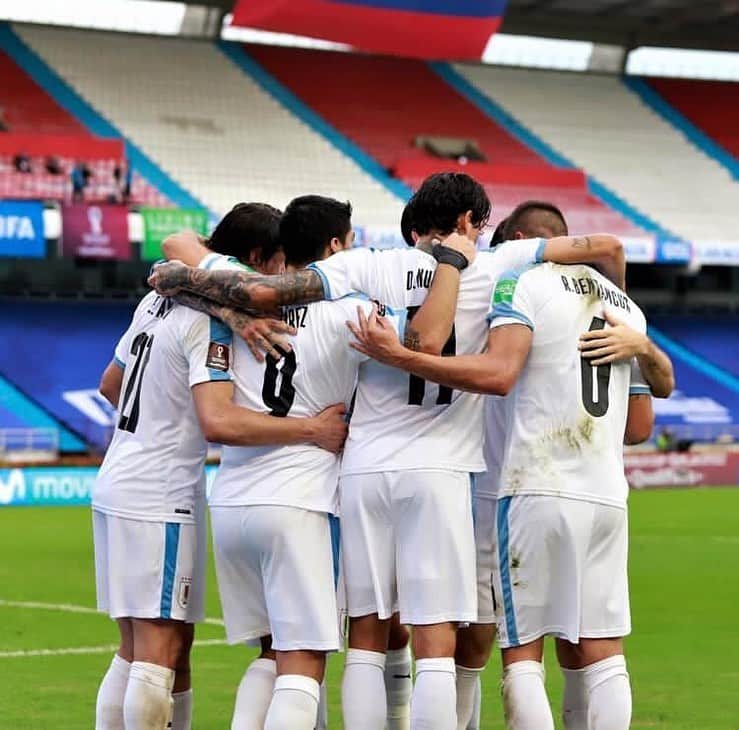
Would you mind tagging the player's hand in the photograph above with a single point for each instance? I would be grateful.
(461, 243)
(375, 337)
(263, 335)
(168, 278)
(331, 428)
(616, 343)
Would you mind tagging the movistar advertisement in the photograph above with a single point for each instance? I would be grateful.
(49, 486)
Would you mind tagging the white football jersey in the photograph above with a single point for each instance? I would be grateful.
(153, 469)
(400, 421)
(486, 484)
(564, 418)
(319, 371)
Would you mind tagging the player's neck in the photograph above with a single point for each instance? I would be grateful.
(424, 243)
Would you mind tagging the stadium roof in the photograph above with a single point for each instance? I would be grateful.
(708, 24)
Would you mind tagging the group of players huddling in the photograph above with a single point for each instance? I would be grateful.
(463, 412)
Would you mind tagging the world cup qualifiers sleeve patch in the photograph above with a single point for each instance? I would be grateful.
(219, 357)
(504, 291)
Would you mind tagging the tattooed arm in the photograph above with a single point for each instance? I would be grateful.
(239, 289)
(261, 334)
(602, 251)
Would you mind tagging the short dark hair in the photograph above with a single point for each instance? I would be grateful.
(443, 197)
(308, 225)
(406, 223)
(247, 226)
(531, 214)
(499, 233)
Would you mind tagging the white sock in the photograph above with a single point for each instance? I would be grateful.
(109, 706)
(294, 703)
(363, 699)
(575, 700)
(474, 723)
(434, 702)
(468, 679)
(254, 695)
(609, 694)
(398, 688)
(182, 710)
(322, 722)
(148, 701)
(525, 702)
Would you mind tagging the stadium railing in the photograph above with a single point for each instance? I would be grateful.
(29, 444)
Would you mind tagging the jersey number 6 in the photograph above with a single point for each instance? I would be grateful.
(595, 380)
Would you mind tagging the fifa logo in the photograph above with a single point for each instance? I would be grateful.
(95, 219)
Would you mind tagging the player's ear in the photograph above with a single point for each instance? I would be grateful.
(464, 223)
(255, 257)
(335, 246)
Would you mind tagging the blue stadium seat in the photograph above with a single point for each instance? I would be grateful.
(57, 355)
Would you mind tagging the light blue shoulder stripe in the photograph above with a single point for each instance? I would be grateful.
(506, 310)
(324, 280)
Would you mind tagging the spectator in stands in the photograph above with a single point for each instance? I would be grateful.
(123, 175)
(53, 165)
(81, 175)
(22, 163)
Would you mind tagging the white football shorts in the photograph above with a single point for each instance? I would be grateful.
(153, 570)
(407, 541)
(560, 570)
(483, 511)
(276, 575)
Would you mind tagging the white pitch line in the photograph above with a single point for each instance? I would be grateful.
(105, 649)
(72, 608)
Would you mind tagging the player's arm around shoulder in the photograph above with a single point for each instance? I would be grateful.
(619, 342)
(603, 251)
(492, 372)
(209, 353)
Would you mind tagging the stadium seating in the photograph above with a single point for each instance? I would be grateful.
(712, 338)
(601, 126)
(69, 345)
(712, 106)
(206, 122)
(383, 104)
(38, 127)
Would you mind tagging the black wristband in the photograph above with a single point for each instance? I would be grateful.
(445, 255)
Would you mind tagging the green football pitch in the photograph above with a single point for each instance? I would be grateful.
(683, 654)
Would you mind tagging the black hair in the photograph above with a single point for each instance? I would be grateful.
(499, 233)
(532, 214)
(308, 225)
(247, 226)
(443, 197)
(406, 223)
